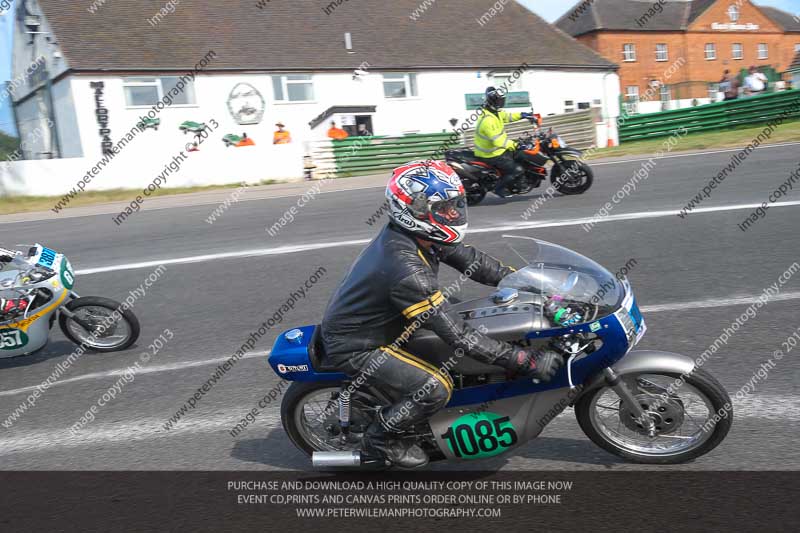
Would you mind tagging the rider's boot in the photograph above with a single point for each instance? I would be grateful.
(379, 441)
(501, 191)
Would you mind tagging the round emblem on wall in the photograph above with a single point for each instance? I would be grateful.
(246, 104)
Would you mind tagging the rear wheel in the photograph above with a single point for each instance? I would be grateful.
(106, 333)
(310, 416)
(690, 420)
(571, 177)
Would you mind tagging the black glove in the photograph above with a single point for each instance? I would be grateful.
(542, 365)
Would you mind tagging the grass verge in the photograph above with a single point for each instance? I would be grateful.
(25, 204)
(731, 138)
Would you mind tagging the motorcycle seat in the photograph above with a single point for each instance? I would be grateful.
(461, 155)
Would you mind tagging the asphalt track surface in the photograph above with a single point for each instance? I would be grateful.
(693, 277)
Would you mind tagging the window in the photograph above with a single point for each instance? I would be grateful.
(583, 105)
(665, 93)
(738, 52)
(763, 51)
(797, 48)
(713, 89)
(661, 52)
(504, 79)
(629, 52)
(631, 99)
(569, 106)
(711, 51)
(293, 88)
(733, 13)
(399, 85)
(146, 92)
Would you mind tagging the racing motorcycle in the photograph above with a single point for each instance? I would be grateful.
(36, 288)
(568, 174)
(647, 406)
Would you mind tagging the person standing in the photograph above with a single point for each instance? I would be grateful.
(281, 136)
(755, 82)
(729, 86)
(335, 133)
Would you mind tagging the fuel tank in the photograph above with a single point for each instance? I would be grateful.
(508, 317)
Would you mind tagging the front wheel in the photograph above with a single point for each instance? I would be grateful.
(107, 333)
(690, 419)
(571, 177)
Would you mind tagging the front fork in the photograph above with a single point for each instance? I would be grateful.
(72, 316)
(619, 386)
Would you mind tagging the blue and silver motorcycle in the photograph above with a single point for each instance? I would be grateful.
(646, 406)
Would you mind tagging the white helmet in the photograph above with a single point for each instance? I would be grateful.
(426, 198)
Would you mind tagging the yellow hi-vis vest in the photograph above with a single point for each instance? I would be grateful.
(491, 139)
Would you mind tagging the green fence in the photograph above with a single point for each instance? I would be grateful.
(369, 155)
(721, 115)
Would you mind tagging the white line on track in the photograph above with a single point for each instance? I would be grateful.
(155, 369)
(593, 162)
(512, 226)
(676, 306)
(782, 408)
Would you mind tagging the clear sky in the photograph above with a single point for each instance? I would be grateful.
(550, 10)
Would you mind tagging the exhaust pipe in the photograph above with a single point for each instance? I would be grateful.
(350, 459)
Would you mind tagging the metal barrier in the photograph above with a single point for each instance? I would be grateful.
(721, 115)
(368, 155)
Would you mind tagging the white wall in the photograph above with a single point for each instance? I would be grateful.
(441, 97)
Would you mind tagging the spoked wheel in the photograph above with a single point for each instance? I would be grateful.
(572, 177)
(310, 416)
(106, 333)
(688, 419)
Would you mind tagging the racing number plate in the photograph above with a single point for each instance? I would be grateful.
(630, 317)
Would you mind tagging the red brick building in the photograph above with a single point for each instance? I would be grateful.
(677, 50)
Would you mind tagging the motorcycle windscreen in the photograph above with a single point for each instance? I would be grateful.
(553, 270)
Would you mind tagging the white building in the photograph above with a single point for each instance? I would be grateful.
(385, 65)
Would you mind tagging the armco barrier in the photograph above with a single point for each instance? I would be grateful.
(369, 155)
(721, 115)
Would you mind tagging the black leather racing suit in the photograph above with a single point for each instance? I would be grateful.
(393, 288)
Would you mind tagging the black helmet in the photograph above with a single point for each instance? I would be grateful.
(495, 98)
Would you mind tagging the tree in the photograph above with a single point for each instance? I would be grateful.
(8, 146)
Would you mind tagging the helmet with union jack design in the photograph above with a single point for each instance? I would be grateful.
(427, 199)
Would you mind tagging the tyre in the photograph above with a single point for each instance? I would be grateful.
(310, 416)
(476, 195)
(572, 177)
(116, 335)
(685, 430)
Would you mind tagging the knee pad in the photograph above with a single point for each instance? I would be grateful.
(436, 397)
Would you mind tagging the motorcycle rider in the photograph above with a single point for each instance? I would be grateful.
(10, 307)
(392, 289)
(491, 140)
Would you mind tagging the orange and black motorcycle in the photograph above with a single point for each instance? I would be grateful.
(568, 173)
